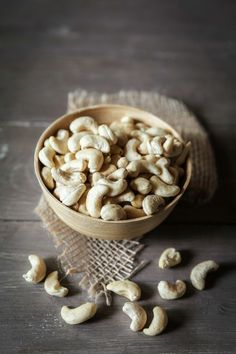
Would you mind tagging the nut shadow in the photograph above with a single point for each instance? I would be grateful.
(177, 318)
(147, 291)
(214, 277)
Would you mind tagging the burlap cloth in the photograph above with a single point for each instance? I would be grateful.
(98, 261)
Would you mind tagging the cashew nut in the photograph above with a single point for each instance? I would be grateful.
(113, 212)
(74, 141)
(133, 213)
(165, 174)
(107, 169)
(125, 288)
(122, 162)
(127, 119)
(74, 166)
(106, 132)
(81, 204)
(152, 203)
(172, 146)
(115, 187)
(134, 168)
(131, 150)
(137, 201)
(69, 157)
(127, 196)
(137, 314)
(70, 195)
(59, 142)
(155, 146)
(96, 142)
(156, 131)
(53, 287)
(120, 173)
(47, 177)
(200, 271)
(169, 258)
(79, 314)
(159, 322)
(163, 189)
(38, 270)
(94, 199)
(84, 123)
(68, 178)
(169, 291)
(93, 157)
(141, 185)
(58, 160)
(46, 155)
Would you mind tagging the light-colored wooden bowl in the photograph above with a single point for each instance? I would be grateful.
(98, 228)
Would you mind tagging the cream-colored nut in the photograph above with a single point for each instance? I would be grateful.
(94, 177)
(125, 127)
(151, 158)
(125, 197)
(137, 201)
(46, 155)
(172, 146)
(113, 212)
(182, 157)
(141, 185)
(96, 142)
(127, 119)
(79, 314)
(140, 135)
(74, 166)
(58, 160)
(70, 195)
(115, 187)
(137, 314)
(155, 146)
(159, 322)
(133, 213)
(143, 147)
(46, 143)
(170, 291)
(120, 173)
(69, 157)
(53, 287)
(131, 150)
(74, 141)
(59, 142)
(122, 162)
(152, 204)
(169, 258)
(156, 131)
(165, 174)
(84, 123)
(47, 177)
(163, 189)
(94, 199)
(200, 271)
(125, 288)
(94, 158)
(38, 269)
(81, 204)
(107, 133)
(134, 168)
(68, 178)
(107, 169)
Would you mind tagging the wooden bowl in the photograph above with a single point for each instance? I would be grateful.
(98, 228)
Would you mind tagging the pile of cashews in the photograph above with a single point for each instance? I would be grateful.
(126, 288)
(122, 171)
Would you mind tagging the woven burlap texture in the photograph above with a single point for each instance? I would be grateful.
(101, 261)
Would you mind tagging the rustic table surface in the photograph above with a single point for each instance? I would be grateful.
(185, 49)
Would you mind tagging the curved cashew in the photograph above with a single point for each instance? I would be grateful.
(133, 213)
(125, 127)
(53, 287)
(106, 132)
(93, 157)
(68, 178)
(134, 168)
(156, 131)
(165, 174)
(200, 271)
(94, 199)
(84, 123)
(58, 160)
(115, 187)
(46, 155)
(163, 189)
(169, 291)
(182, 157)
(158, 323)
(107, 169)
(127, 196)
(127, 119)
(38, 270)
(155, 146)
(70, 195)
(131, 150)
(69, 156)
(169, 258)
(47, 177)
(122, 162)
(96, 142)
(172, 146)
(137, 201)
(94, 177)
(125, 288)
(74, 166)
(137, 314)
(74, 141)
(120, 173)
(152, 203)
(112, 212)
(141, 185)
(79, 314)
(81, 204)
(59, 142)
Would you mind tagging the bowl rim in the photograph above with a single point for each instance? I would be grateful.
(42, 138)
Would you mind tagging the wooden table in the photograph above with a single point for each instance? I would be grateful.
(185, 49)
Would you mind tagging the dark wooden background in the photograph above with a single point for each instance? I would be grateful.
(185, 49)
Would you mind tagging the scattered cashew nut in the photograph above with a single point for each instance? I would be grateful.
(137, 314)
(53, 287)
(200, 271)
(169, 291)
(169, 258)
(38, 271)
(159, 322)
(125, 288)
(79, 314)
